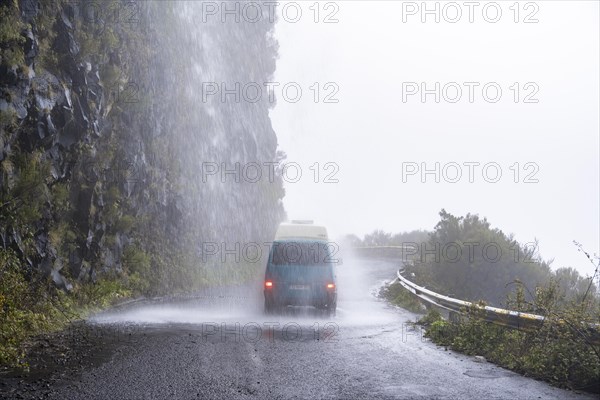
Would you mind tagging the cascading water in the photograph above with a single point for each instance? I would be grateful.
(225, 133)
(108, 123)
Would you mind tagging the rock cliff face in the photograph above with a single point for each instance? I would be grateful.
(106, 142)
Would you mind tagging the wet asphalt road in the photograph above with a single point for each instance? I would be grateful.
(225, 348)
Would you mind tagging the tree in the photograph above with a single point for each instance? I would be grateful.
(466, 258)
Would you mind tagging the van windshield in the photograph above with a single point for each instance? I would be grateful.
(301, 253)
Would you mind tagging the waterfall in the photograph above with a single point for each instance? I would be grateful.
(111, 107)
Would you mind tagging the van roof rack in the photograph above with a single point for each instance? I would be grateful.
(301, 231)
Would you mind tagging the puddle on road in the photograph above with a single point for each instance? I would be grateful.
(351, 314)
(490, 373)
(357, 306)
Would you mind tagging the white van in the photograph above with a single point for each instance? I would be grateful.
(300, 269)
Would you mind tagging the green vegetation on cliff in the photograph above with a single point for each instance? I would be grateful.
(101, 144)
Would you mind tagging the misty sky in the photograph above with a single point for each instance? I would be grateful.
(372, 130)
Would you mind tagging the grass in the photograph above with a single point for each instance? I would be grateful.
(399, 296)
(555, 353)
(27, 309)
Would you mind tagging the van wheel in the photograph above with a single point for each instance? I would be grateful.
(329, 311)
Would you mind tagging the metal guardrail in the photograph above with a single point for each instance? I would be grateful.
(383, 247)
(497, 316)
(399, 252)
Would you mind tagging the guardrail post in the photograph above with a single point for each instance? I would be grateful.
(409, 328)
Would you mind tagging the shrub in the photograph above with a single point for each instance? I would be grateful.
(398, 295)
(558, 352)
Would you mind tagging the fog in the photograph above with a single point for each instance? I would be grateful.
(371, 130)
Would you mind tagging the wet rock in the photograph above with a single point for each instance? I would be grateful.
(72, 132)
(81, 112)
(65, 41)
(50, 129)
(47, 91)
(41, 242)
(57, 162)
(79, 77)
(46, 266)
(108, 259)
(18, 102)
(16, 239)
(4, 105)
(60, 281)
(75, 261)
(31, 47)
(9, 75)
(29, 9)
